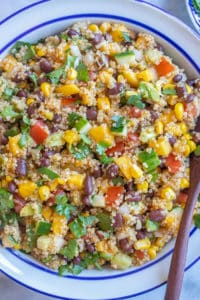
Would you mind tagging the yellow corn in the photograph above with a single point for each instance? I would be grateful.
(29, 101)
(145, 75)
(188, 88)
(187, 136)
(47, 213)
(168, 205)
(106, 78)
(8, 179)
(152, 252)
(160, 242)
(158, 127)
(172, 99)
(168, 194)
(8, 63)
(93, 27)
(120, 78)
(143, 244)
(59, 224)
(161, 146)
(192, 146)
(187, 150)
(111, 48)
(67, 89)
(13, 145)
(167, 117)
(27, 188)
(105, 27)
(48, 115)
(179, 111)
(169, 86)
(183, 128)
(44, 192)
(55, 183)
(131, 78)
(76, 180)
(103, 103)
(71, 137)
(46, 89)
(72, 74)
(102, 134)
(143, 187)
(128, 169)
(40, 52)
(184, 183)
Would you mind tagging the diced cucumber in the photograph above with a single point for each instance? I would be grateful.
(55, 140)
(82, 125)
(121, 261)
(151, 225)
(98, 201)
(43, 242)
(106, 255)
(125, 58)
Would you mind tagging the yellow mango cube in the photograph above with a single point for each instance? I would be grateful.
(67, 89)
(27, 188)
(76, 180)
(102, 134)
(103, 103)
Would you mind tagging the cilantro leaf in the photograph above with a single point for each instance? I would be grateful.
(101, 147)
(29, 50)
(150, 160)
(148, 90)
(30, 53)
(71, 250)
(126, 37)
(80, 151)
(118, 180)
(135, 100)
(104, 221)
(62, 207)
(104, 159)
(33, 77)
(87, 221)
(72, 118)
(78, 226)
(91, 259)
(9, 113)
(71, 61)
(74, 269)
(31, 236)
(43, 228)
(6, 201)
(83, 74)
(55, 75)
(23, 140)
(118, 124)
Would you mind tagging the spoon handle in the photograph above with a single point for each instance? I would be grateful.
(177, 265)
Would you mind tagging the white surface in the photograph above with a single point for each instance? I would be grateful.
(10, 290)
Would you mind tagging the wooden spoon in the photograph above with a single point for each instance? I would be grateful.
(176, 272)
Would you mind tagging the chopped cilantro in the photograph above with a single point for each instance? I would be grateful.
(104, 159)
(71, 61)
(31, 236)
(9, 113)
(6, 203)
(101, 147)
(126, 37)
(43, 228)
(74, 269)
(118, 124)
(62, 207)
(71, 250)
(29, 52)
(135, 100)
(72, 118)
(104, 221)
(8, 93)
(150, 160)
(34, 78)
(55, 75)
(83, 74)
(78, 226)
(80, 151)
(118, 180)
(51, 174)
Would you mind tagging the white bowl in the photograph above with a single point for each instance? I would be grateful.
(181, 43)
(193, 13)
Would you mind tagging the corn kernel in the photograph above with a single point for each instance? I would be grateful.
(179, 111)
(93, 27)
(72, 74)
(44, 192)
(172, 99)
(184, 183)
(173, 129)
(8, 63)
(192, 146)
(143, 244)
(131, 78)
(17, 246)
(158, 127)
(14, 147)
(120, 78)
(59, 224)
(27, 188)
(188, 88)
(168, 194)
(152, 252)
(8, 179)
(71, 137)
(40, 52)
(143, 187)
(111, 48)
(187, 136)
(187, 150)
(46, 89)
(145, 75)
(128, 169)
(184, 128)
(67, 89)
(55, 183)
(47, 213)
(162, 146)
(76, 180)
(106, 78)
(169, 205)
(160, 242)
(29, 101)
(103, 103)
(105, 27)
(48, 115)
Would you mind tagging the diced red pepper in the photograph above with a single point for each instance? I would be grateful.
(113, 194)
(182, 198)
(135, 112)
(164, 67)
(139, 254)
(119, 148)
(68, 101)
(133, 137)
(173, 164)
(38, 132)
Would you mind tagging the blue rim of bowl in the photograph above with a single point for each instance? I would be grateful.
(128, 21)
(194, 14)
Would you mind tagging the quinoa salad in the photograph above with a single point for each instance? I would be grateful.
(97, 124)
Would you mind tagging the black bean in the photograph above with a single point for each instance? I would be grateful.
(129, 186)
(44, 162)
(22, 93)
(150, 194)
(157, 215)
(88, 185)
(118, 221)
(31, 110)
(162, 163)
(154, 115)
(117, 89)
(17, 78)
(172, 140)
(189, 98)
(97, 172)
(132, 196)
(97, 38)
(112, 171)
(177, 78)
(90, 248)
(191, 82)
(180, 90)
(77, 260)
(71, 33)
(45, 66)
(57, 118)
(196, 137)
(42, 79)
(125, 246)
(40, 96)
(91, 113)
(12, 187)
(197, 84)
(160, 47)
(86, 200)
(140, 235)
(54, 128)
(3, 140)
(197, 126)
(48, 153)
(21, 169)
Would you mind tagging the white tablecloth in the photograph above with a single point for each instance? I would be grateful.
(191, 286)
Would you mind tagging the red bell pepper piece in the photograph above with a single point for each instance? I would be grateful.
(38, 132)
(113, 194)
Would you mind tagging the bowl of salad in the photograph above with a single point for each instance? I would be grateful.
(98, 120)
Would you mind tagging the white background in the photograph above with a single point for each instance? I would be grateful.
(191, 286)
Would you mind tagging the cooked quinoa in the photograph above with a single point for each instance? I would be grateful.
(96, 129)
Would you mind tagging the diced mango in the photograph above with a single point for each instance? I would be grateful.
(76, 180)
(71, 136)
(131, 78)
(102, 134)
(67, 89)
(128, 169)
(59, 224)
(13, 145)
(145, 75)
(103, 103)
(27, 188)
